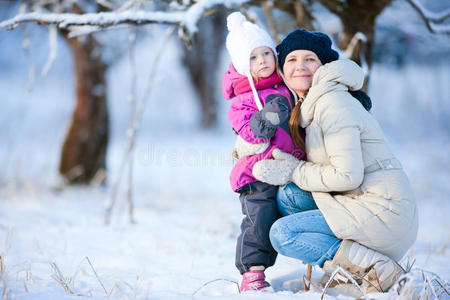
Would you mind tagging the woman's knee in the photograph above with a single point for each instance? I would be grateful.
(278, 234)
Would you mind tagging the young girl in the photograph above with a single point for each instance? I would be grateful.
(259, 114)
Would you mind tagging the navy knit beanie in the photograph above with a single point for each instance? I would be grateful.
(301, 39)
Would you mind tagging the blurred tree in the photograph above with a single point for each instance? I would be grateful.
(357, 16)
(200, 60)
(83, 154)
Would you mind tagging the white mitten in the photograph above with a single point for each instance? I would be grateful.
(277, 171)
(243, 148)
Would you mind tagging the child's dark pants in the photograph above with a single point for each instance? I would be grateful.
(259, 207)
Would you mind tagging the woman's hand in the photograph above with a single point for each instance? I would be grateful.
(277, 171)
(243, 148)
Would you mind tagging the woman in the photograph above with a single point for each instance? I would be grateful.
(362, 215)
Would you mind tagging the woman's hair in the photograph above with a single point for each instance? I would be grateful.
(294, 126)
(301, 39)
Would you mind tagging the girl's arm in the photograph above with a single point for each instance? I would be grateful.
(243, 148)
(264, 123)
(259, 126)
(239, 116)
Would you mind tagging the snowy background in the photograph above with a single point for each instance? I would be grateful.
(187, 216)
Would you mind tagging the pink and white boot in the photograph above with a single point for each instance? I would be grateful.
(254, 280)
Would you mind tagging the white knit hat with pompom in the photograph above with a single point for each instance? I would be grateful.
(242, 39)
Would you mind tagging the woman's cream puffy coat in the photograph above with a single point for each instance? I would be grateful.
(357, 183)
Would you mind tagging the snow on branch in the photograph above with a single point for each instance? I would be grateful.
(103, 19)
(432, 19)
(53, 45)
(441, 28)
(188, 19)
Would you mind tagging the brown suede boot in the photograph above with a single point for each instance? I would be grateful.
(328, 269)
(374, 271)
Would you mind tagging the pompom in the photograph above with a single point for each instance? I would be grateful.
(235, 20)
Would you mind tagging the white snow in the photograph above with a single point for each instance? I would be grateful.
(187, 216)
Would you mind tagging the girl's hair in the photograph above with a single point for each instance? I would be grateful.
(294, 126)
(256, 77)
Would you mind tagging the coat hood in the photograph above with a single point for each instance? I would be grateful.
(339, 75)
(230, 76)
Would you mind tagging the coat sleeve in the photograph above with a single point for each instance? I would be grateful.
(239, 115)
(342, 142)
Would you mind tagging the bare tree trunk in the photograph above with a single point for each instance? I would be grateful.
(84, 149)
(350, 29)
(303, 16)
(358, 16)
(201, 62)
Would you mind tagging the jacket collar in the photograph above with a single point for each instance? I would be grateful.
(339, 75)
(241, 85)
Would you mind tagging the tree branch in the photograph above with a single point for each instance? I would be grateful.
(188, 18)
(430, 18)
(105, 19)
(435, 17)
(267, 6)
(335, 6)
(137, 117)
(303, 16)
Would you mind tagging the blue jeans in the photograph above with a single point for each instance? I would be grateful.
(302, 232)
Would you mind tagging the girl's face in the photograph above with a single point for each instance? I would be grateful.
(299, 68)
(262, 62)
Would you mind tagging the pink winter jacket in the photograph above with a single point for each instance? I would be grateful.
(243, 106)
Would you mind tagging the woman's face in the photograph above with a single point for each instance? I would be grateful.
(299, 68)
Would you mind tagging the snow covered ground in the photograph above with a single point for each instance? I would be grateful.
(54, 244)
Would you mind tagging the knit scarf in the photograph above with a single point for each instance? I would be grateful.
(242, 85)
